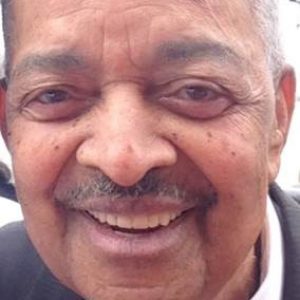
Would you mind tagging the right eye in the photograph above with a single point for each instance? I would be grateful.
(53, 96)
(56, 104)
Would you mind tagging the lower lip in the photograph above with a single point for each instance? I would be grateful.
(119, 244)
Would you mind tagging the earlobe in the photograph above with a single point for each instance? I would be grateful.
(285, 101)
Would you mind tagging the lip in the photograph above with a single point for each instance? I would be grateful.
(118, 244)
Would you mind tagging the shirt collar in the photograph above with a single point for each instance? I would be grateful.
(272, 258)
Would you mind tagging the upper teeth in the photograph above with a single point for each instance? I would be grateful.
(135, 222)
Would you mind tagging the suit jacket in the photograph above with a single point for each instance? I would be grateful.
(23, 275)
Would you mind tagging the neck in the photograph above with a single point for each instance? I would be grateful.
(245, 281)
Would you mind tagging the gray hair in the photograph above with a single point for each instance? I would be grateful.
(266, 12)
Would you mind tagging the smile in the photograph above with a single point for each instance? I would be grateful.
(147, 231)
(139, 222)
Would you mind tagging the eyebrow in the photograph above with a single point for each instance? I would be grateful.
(186, 51)
(167, 53)
(49, 62)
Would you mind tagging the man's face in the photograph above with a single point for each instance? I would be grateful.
(143, 135)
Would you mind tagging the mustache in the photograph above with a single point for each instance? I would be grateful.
(99, 185)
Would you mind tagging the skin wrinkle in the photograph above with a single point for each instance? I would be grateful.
(130, 48)
(217, 16)
(111, 9)
(127, 137)
(61, 62)
(216, 19)
(255, 7)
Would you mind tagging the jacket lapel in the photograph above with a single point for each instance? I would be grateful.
(288, 210)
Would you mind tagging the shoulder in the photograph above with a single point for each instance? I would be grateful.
(14, 243)
(285, 199)
(294, 193)
(19, 262)
(287, 204)
(23, 275)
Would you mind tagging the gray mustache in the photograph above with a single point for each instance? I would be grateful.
(99, 185)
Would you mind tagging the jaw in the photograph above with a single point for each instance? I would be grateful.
(149, 265)
(178, 270)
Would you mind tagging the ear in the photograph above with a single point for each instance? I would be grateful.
(3, 126)
(284, 107)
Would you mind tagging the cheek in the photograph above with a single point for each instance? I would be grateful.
(235, 164)
(228, 157)
(39, 155)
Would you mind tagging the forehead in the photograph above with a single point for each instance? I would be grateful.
(224, 14)
(55, 6)
(142, 25)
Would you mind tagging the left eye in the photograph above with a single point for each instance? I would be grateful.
(196, 93)
(196, 99)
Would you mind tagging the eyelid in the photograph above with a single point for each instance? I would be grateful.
(75, 93)
(75, 104)
(168, 95)
(31, 96)
(169, 88)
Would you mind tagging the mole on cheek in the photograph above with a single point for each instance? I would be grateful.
(233, 153)
(209, 134)
(74, 124)
(56, 148)
(175, 136)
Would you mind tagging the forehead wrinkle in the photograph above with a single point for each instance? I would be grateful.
(187, 51)
(49, 62)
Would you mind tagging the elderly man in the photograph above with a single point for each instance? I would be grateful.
(145, 135)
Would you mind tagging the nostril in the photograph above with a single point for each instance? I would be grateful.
(125, 159)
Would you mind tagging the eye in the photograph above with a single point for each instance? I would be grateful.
(194, 98)
(56, 104)
(53, 96)
(196, 93)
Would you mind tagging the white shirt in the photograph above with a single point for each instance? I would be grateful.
(272, 258)
(10, 211)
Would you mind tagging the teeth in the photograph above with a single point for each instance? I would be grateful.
(124, 222)
(153, 221)
(164, 219)
(135, 222)
(140, 222)
(102, 217)
(111, 219)
(174, 216)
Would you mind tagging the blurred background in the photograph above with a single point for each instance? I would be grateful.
(289, 175)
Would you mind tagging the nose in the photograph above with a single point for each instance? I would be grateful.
(125, 141)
